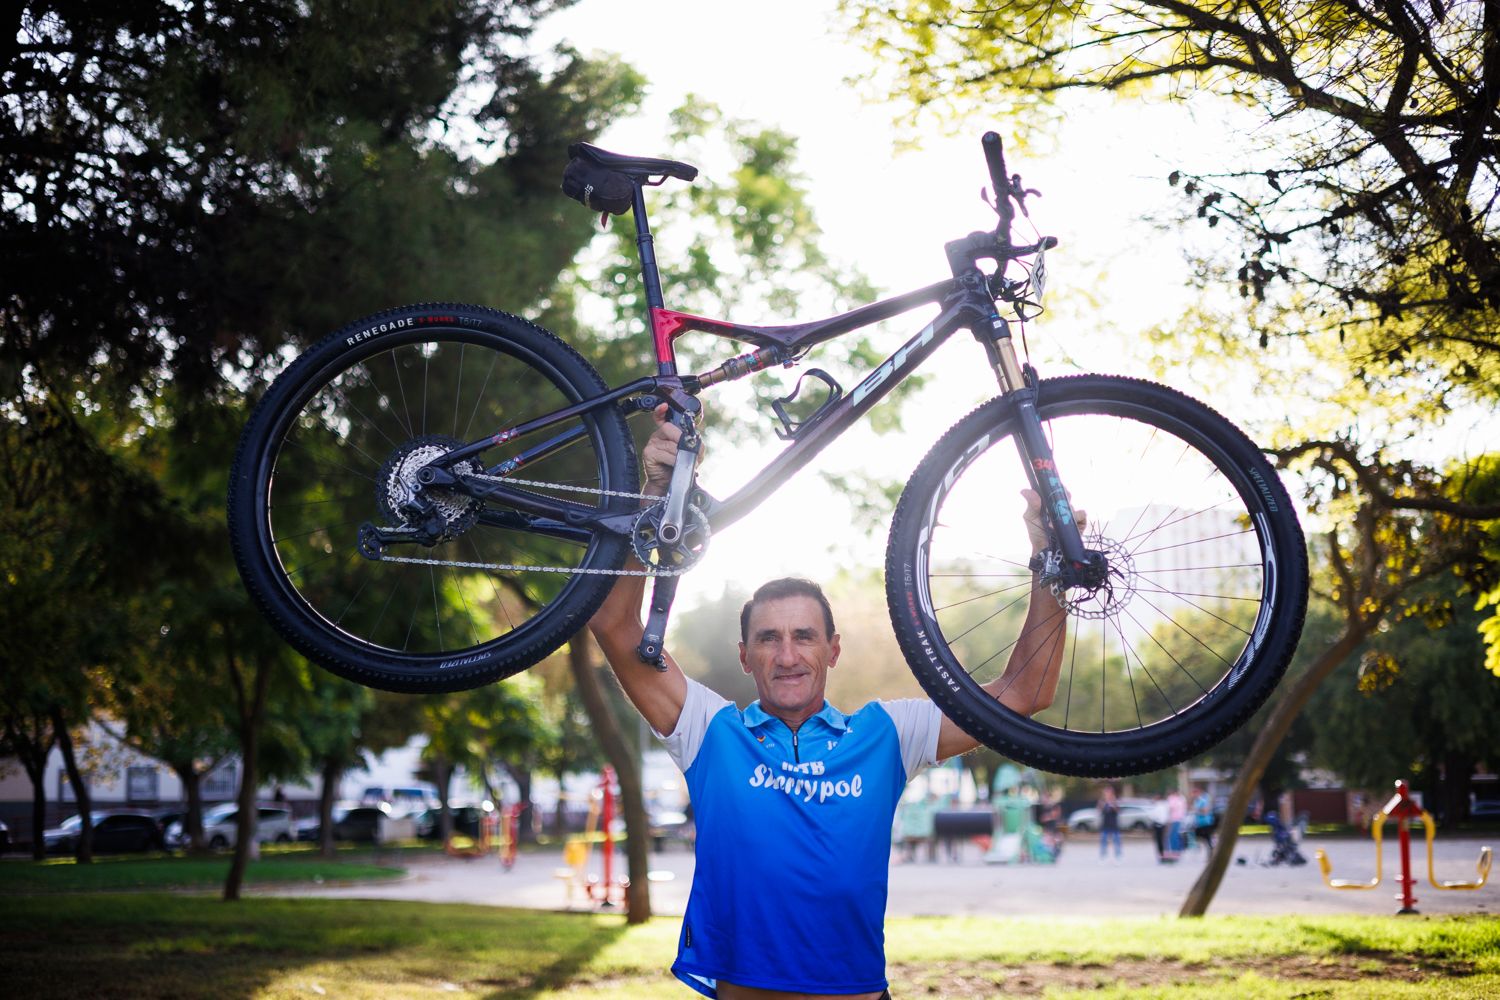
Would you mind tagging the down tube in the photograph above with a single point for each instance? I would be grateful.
(871, 390)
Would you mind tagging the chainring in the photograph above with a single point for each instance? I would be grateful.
(656, 554)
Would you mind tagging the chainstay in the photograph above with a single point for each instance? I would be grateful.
(514, 567)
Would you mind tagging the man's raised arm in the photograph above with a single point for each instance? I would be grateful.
(1030, 679)
(617, 626)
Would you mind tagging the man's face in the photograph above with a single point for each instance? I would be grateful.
(789, 654)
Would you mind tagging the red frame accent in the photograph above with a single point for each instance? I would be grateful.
(667, 325)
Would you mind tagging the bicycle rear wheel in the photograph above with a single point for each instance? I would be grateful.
(336, 443)
(1202, 611)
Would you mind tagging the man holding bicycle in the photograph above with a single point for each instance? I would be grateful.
(793, 799)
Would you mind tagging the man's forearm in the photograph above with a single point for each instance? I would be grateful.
(1029, 682)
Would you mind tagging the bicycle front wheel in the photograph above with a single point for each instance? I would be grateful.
(1197, 621)
(337, 444)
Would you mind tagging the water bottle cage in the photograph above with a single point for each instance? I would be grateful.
(791, 428)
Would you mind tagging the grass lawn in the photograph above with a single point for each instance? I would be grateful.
(164, 871)
(163, 945)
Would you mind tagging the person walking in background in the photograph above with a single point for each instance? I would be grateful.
(1176, 815)
(1204, 820)
(1159, 830)
(1050, 816)
(1109, 823)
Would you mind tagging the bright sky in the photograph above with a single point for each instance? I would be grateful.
(780, 62)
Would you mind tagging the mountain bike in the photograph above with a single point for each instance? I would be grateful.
(439, 496)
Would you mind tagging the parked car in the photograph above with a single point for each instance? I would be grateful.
(310, 828)
(363, 823)
(669, 824)
(401, 799)
(1485, 809)
(468, 819)
(4, 837)
(1135, 814)
(113, 832)
(221, 826)
(166, 817)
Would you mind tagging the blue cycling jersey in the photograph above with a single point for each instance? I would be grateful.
(793, 840)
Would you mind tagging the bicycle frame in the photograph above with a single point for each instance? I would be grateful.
(967, 300)
(961, 307)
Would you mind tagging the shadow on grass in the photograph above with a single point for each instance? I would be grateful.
(144, 946)
(160, 872)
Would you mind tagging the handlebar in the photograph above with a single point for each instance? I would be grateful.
(994, 156)
(997, 246)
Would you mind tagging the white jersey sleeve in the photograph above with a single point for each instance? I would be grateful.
(698, 709)
(917, 723)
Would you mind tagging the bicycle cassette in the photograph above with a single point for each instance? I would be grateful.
(444, 513)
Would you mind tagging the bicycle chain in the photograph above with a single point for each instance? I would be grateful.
(578, 570)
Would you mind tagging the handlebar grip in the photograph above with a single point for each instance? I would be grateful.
(994, 155)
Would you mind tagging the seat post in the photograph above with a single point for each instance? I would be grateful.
(645, 246)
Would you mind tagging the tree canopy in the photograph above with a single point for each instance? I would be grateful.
(1365, 205)
(188, 193)
(179, 183)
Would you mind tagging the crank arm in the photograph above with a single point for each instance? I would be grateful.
(652, 647)
(688, 447)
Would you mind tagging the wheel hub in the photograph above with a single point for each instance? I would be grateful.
(1114, 569)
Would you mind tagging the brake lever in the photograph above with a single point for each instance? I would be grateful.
(984, 196)
(1017, 193)
(1020, 194)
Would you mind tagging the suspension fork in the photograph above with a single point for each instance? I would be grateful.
(1077, 565)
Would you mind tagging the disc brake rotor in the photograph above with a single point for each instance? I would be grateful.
(1117, 590)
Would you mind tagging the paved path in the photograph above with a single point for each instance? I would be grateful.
(1078, 885)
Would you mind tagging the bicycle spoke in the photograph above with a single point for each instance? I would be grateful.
(349, 457)
(1188, 572)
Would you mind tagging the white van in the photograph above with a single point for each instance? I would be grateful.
(221, 826)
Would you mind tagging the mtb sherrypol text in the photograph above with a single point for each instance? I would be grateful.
(439, 496)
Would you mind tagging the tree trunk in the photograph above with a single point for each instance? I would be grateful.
(85, 851)
(246, 820)
(251, 706)
(559, 816)
(31, 739)
(1452, 805)
(333, 773)
(1246, 782)
(525, 833)
(39, 817)
(442, 776)
(192, 786)
(617, 750)
(491, 795)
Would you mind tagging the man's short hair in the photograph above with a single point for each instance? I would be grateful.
(787, 586)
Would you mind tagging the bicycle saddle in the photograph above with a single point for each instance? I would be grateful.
(635, 166)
